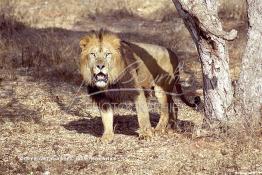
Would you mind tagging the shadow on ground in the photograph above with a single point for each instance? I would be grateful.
(16, 112)
(126, 125)
(53, 53)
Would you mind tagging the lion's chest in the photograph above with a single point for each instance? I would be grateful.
(124, 90)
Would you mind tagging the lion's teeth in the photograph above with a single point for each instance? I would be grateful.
(100, 77)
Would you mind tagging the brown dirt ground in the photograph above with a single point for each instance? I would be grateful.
(49, 126)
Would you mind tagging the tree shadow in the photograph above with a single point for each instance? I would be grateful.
(53, 53)
(47, 54)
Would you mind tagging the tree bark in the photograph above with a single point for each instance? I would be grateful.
(249, 90)
(202, 21)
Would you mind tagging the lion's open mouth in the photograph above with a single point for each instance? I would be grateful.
(100, 79)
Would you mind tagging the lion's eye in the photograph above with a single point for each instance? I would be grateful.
(108, 55)
(93, 54)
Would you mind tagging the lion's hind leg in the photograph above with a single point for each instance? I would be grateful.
(173, 110)
(162, 98)
(145, 129)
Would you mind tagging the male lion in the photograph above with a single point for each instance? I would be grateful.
(116, 71)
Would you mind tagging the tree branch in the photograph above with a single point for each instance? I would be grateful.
(207, 21)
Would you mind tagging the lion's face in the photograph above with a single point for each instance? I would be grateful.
(101, 61)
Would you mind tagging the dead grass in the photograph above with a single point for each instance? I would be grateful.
(61, 133)
(47, 51)
(43, 116)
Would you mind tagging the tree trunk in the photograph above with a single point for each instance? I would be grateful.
(249, 89)
(201, 19)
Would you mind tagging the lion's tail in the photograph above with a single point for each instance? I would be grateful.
(197, 99)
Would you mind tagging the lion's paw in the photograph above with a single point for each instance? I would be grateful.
(146, 134)
(107, 138)
(160, 130)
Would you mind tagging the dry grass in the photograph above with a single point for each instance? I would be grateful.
(36, 123)
(39, 80)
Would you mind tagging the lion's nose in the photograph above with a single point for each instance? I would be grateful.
(100, 66)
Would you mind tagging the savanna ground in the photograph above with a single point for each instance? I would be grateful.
(49, 126)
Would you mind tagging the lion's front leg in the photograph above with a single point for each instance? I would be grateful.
(107, 119)
(145, 129)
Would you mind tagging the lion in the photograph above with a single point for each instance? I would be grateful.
(116, 71)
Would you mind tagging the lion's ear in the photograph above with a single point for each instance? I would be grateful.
(83, 42)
